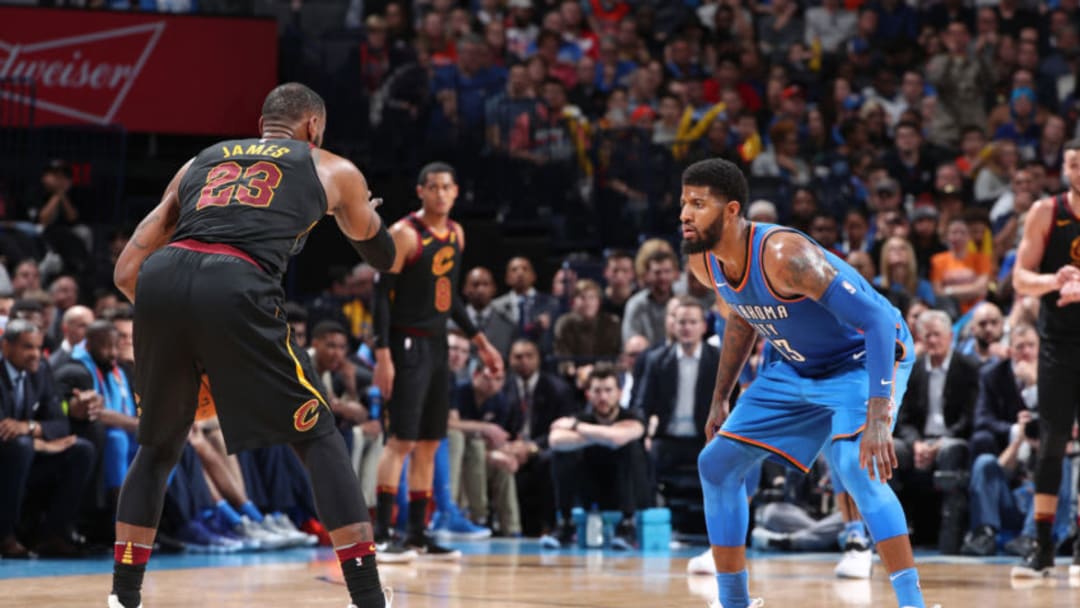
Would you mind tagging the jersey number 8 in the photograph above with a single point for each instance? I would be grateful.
(229, 181)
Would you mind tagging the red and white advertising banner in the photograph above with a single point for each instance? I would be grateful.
(148, 72)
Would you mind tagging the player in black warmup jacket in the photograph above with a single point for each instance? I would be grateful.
(204, 271)
(413, 303)
(1048, 266)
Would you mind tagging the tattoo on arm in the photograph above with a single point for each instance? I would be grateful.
(137, 239)
(796, 267)
(738, 342)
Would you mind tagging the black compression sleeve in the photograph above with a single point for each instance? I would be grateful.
(379, 250)
(461, 318)
(381, 314)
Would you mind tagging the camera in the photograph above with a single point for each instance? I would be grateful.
(1031, 429)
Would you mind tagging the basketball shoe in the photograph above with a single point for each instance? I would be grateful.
(1038, 563)
(425, 546)
(857, 560)
(388, 593)
(390, 550)
(702, 564)
(114, 602)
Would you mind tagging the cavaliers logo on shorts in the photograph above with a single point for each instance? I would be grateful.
(306, 416)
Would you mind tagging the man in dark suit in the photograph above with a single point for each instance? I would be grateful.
(36, 450)
(479, 290)
(677, 391)
(1005, 389)
(934, 426)
(537, 398)
(532, 312)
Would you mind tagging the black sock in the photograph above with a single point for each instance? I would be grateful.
(384, 512)
(362, 579)
(1044, 533)
(418, 502)
(127, 583)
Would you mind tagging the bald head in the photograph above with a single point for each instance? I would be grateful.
(75, 322)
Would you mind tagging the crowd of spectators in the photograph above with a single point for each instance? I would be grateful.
(909, 138)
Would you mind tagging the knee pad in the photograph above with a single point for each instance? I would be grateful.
(877, 503)
(723, 467)
(1052, 443)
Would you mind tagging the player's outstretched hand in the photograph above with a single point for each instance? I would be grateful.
(876, 452)
(718, 413)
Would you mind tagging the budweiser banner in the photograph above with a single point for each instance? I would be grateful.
(147, 72)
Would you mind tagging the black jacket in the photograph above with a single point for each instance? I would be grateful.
(961, 389)
(551, 399)
(41, 401)
(660, 385)
(999, 400)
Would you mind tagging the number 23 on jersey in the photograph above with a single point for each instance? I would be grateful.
(228, 182)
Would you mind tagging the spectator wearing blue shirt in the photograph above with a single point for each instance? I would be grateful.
(1021, 127)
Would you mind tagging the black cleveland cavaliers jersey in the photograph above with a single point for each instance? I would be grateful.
(261, 196)
(1060, 324)
(425, 288)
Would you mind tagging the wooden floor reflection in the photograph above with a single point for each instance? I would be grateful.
(533, 581)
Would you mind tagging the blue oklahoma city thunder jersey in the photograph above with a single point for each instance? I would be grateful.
(806, 334)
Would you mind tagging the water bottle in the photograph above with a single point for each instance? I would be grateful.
(374, 399)
(594, 528)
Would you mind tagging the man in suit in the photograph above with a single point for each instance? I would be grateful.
(36, 450)
(73, 326)
(1006, 388)
(935, 423)
(537, 398)
(677, 391)
(479, 290)
(532, 312)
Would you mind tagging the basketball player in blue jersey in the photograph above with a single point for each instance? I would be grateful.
(845, 357)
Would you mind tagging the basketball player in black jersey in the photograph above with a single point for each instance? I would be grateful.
(204, 271)
(1048, 266)
(413, 303)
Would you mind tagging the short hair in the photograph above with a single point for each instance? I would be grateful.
(99, 327)
(1021, 328)
(782, 129)
(602, 371)
(908, 124)
(1072, 144)
(531, 344)
(70, 313)
(120, 312)
(584, 285)
(30, 305)
(17, 327)
(723, 179)
(661, 256)
(294, 313)
(933, 316)
(292, 102)
(618, 254)
(686, 301)
(325, 328)
(433, 168)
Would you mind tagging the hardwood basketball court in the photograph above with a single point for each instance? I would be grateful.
(516, 574)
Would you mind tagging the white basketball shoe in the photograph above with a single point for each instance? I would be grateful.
(701, 564)
(114, 602)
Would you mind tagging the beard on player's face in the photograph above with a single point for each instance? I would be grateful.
(706, 239)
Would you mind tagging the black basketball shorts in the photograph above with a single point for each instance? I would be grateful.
(420, 403)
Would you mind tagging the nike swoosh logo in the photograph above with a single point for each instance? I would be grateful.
(426, 241)
(884, 383)
(858, 355)
(1061, 223)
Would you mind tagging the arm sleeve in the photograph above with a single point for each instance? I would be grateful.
(379, 250)
(381, 314)
(461, 318)
(853, 306)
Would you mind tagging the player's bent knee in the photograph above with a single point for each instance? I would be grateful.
(402, 447)
(876, 501)
(723, 461)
